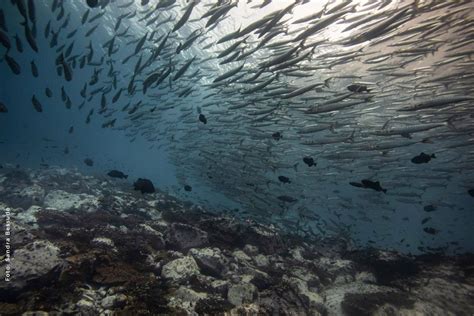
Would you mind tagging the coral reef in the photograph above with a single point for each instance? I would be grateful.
(94, 246)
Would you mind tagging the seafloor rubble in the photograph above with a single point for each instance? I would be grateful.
(93, 246)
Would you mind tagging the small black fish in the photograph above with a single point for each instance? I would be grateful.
(357, 88)
(92, 3)
(277, 136)
(430, 230)
(286, 198)
(471, 192)
(429, 208)
(202, 118)
(36, 104)
(71, 130)
(373, 185)
(188, 188)
(14, 67)
(284, 179)
(425, 220)
(48, 92)
(422, 158)
(309, 161)
(117, 174)
(89, 162)
(66, 150)
(3, 108)
(356, 184)
(144, 186)
(34, 69)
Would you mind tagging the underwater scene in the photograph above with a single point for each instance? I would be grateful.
(237, 157)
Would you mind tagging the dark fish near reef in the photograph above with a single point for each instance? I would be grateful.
(287, 199)
(144, 186)
(277, 136)
(188, 188)
(422, 158)
(431, 230)
(309, 161)
(202, 118)
(284, 179)
(117, 174)
(89, 162)
(373, 185)
(429, 208)
(3, 108)
(357, 88)
(368, 184)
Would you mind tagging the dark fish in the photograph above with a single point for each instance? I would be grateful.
(188, 188)
(34, 69)
(3, 24)
(3, 108)
(284, 179)
(15, 68)
(66, 69)
(430, 230)
(422, 158)
(19, 44)
(31, 11)
(117, 174)
(309, 161)
(277, 136)
(185, 16)
(286, 198)
(36, 104)
(471, 192)
(92, 3)
(429, 208)
(356, 184)
(144, 186)
(425, 220)
(145, 2)
(89, 162)
(66, 150)
(202, 118)
(29, 37)
(71, 130)
(358, 88)
(373, 185)
(4, 40)
(47, 29)
(85, 16)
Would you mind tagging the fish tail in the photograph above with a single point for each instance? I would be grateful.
(433, 156)
(295, 166)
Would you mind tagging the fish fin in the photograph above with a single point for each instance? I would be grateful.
(351, 138)
(326, 82)
(450, 123)
(385, 125)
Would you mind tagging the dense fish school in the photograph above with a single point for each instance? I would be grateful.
(349, 117)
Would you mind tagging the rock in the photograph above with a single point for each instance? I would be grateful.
(241, 256)
(185, 236)
(29, 216)
(243, 293)
(114, 301)
(34, 192)
(144, 186)
(185, 299)
(251, 250)
(311, 299)
(35, 264)
(62, 200)
(103, 242)
(180, 270)
(261, 260)
(210, 261)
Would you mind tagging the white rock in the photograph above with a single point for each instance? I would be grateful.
(180, 269)
(28, 216)
(261, 260)
(241, 293)
(186, 299)
(113, 301)
(241, 256)
(103, 241)
(62, 200)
